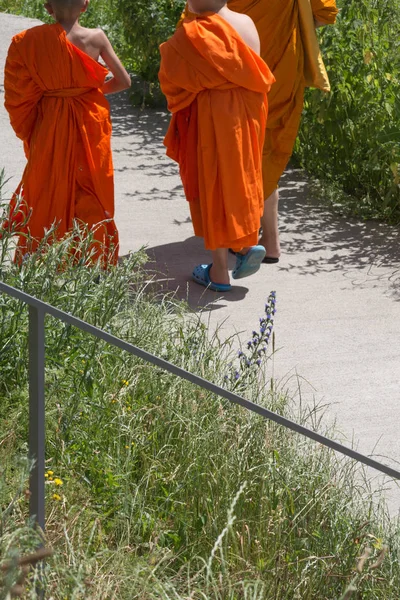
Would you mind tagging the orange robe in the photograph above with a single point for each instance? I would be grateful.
(56, 107)
(216, 88)
(279, 27)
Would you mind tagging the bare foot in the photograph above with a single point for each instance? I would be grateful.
(269, 223)
(218, 275)
(272, 246)
(219, 271)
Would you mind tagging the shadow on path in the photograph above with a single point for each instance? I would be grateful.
(170, 267)
(152, 123)
(155, 195)
(316, 240)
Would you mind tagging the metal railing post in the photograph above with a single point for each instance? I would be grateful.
(37, 415)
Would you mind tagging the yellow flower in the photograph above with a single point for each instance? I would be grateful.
(58, 481)
(56, 497)
(49, 473)
(125, 382)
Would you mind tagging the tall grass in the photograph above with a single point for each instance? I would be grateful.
(158, 489)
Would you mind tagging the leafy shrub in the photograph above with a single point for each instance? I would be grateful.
(34, 9)
(351, 138)
(148, 23)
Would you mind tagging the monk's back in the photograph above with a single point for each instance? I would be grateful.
(45, 46)
(87, 40)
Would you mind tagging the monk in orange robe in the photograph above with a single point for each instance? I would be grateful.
(284, 30)
(55, 95)
(216, 85)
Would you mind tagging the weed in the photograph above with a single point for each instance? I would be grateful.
(143, 468)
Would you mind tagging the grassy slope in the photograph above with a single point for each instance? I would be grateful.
(151, 466)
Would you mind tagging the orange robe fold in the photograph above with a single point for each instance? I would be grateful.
(216, 88)
(52, 94)
(278, 25)
(282, 47)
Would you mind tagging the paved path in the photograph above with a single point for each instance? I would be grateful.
(338, 282)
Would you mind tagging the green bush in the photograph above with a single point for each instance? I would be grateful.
(351, 138)
(148, 23)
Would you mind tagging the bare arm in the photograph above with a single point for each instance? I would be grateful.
(245, 27)
(254, 38)
(120, 80)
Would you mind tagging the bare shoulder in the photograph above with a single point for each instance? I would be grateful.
(245, 27)
(96, 37)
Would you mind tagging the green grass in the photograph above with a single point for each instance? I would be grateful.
(168, 491)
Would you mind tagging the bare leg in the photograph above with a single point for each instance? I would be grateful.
(219, 270)
(269, 224)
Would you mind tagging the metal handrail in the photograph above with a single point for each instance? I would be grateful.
(37, 312)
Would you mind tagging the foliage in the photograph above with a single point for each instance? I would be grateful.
(148, 23)
(351, 138)
(33, 9)
(157, 489)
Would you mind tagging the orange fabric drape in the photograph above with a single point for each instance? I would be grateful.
(57, 109)
(216, 89)
(282, 48)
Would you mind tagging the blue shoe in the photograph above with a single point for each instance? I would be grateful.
(201, 275)
(247, 264)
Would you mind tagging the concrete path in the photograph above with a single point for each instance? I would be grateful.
(338, 282)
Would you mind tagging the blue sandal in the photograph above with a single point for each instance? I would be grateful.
(201, 275)
(247, 264)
